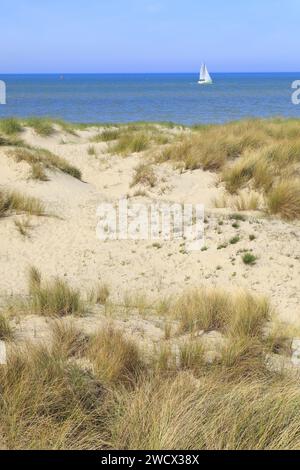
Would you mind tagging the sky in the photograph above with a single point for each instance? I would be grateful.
(132, 36)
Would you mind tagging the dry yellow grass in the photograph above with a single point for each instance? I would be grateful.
(116, 359)
(100, 294)
(253, 154)
(213, 309)
(6, 330)
(39, 159)
(100, 392)
(54, 298)
(284, 199)
(144, 175)
(15, 202)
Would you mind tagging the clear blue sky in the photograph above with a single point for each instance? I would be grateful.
(149, 35)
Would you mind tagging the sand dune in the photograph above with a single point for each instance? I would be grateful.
(67, 245)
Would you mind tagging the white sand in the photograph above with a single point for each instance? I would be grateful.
(68, 247)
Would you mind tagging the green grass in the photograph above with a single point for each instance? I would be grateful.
(10, 126)
(249, 258)
(130, 143)
(11, 142)
(42, 126)
(107, 135)
(234, 240)
(238, 217)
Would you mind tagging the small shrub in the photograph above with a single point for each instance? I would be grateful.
(249, 258)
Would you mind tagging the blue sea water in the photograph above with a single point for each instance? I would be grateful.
(150, 97)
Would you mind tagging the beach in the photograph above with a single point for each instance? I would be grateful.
(121, 309)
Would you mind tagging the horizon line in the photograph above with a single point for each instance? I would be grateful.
(146, 73)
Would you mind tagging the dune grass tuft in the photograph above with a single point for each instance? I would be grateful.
(23, 226)
(107, 135)
(284, 199)
(116, 359)
(104, 392)
(54, 298)
(249, 258)
(38, 172)
(39, 159)
(130, 143)
(10, 126)
(6, 330)
(67, 340)
(42, 126)
(144, 175)
(216, 310)
(15, 202)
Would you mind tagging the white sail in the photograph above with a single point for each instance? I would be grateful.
(202, 72)
(207, 76)
(204, 75)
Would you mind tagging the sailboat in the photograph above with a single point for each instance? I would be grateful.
(205, 78)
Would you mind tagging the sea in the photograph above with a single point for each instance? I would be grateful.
(118, 98)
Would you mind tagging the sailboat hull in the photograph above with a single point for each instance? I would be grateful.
(204, 82)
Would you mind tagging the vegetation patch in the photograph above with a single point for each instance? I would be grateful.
(15, 202)
(249, 258)
(41, 158)
(10, 126)
(43, 127)
(144, 175)
(54, 298)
